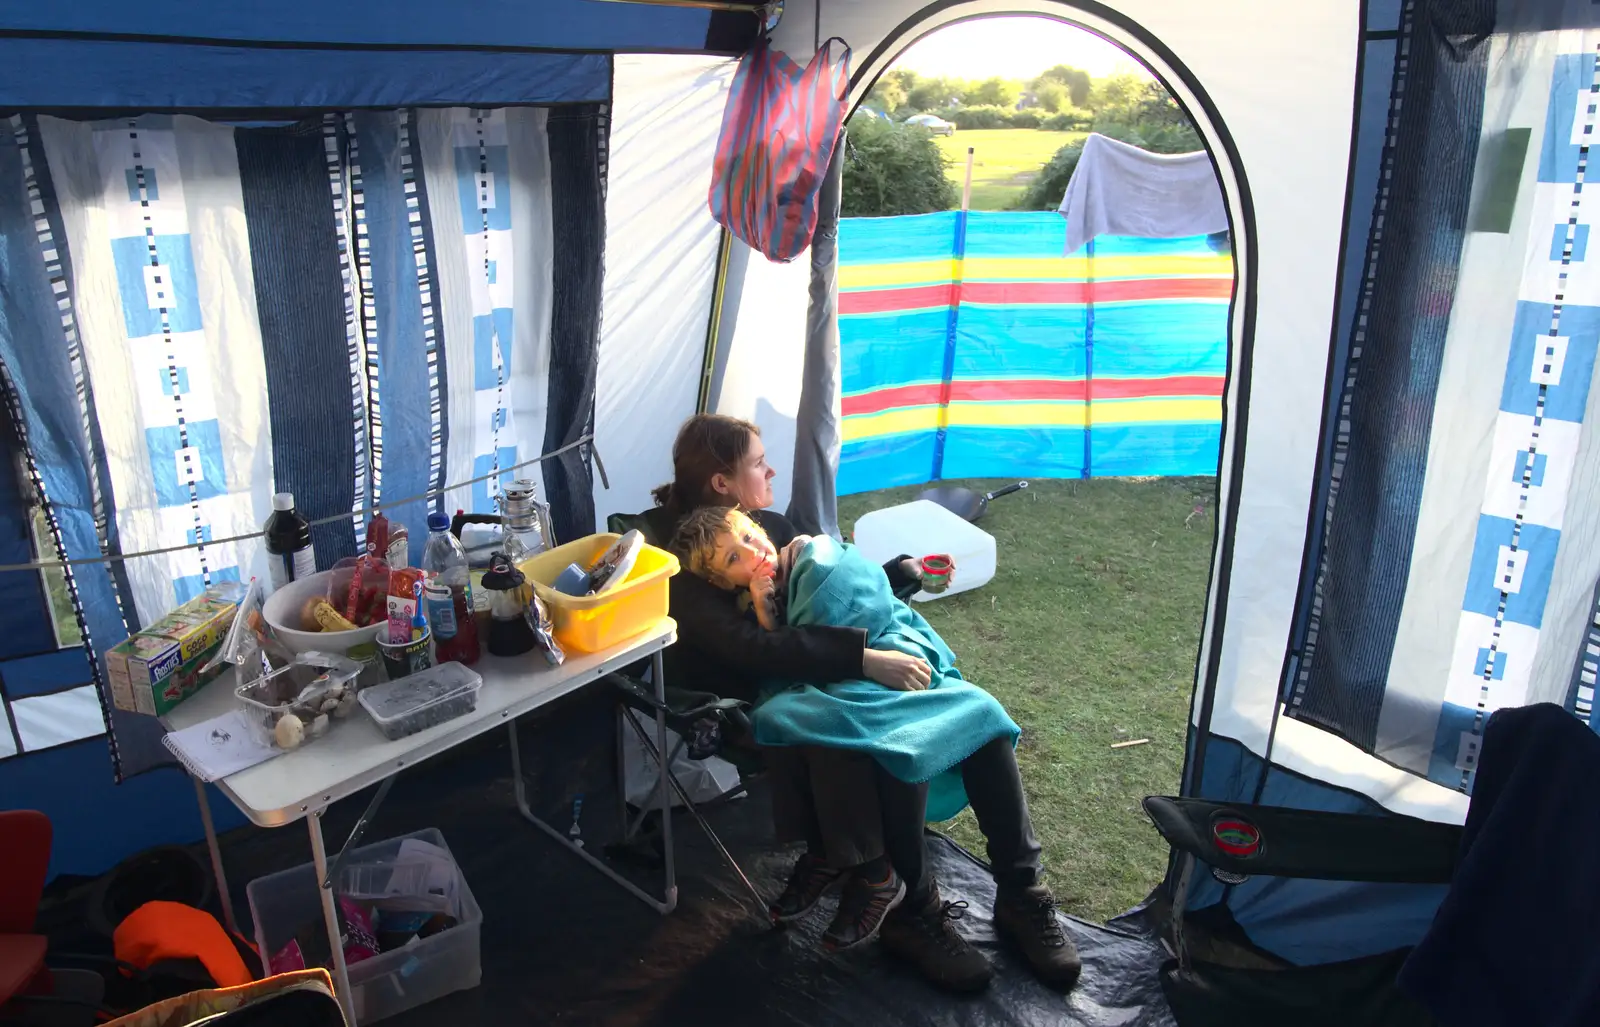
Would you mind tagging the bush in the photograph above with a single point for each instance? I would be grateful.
(1025, 119)
(1070, 120)
(983, 116)
(1045, 191)
(893, 169)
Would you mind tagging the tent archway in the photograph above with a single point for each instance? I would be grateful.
(1184, 86)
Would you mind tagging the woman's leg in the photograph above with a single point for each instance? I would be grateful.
(1024, 909)
(922, 930)
(994, 787)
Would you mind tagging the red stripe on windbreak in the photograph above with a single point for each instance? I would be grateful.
(1097, 292)
(879, 400)
(1031, 390)
(880, 301)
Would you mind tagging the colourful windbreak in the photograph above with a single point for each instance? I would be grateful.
(971, 347)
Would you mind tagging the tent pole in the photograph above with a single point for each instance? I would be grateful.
(958, 272)
(708, 366)
(1088, 360)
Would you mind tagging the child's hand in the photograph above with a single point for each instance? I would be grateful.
(763, 596)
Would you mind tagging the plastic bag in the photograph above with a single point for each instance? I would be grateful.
(704, 780)
(778, 134)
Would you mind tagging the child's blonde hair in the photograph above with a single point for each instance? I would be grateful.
(696, 539)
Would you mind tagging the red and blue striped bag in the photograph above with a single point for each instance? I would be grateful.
(778, 134)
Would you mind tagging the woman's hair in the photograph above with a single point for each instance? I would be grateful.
(707, 445)
(695, 542)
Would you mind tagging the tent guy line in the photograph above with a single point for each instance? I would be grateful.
(587, 440)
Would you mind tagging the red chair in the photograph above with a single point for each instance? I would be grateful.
(24, 862)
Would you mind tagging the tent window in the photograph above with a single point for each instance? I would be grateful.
(62, 616)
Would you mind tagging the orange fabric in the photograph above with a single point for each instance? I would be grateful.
(170, 930)
(197, 1005)
(21, 959)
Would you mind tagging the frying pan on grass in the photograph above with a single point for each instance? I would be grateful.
(965, 503)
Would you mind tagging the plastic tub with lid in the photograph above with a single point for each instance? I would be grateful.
(421, 700)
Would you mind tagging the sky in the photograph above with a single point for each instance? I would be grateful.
(1013, 48)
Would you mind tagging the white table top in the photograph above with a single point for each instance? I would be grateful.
(354, 754)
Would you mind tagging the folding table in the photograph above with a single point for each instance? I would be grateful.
(354, 755)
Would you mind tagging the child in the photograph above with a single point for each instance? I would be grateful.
(725, 547)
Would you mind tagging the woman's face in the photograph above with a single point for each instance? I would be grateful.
(750, 485)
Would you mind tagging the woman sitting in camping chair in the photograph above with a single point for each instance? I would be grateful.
(862, 826)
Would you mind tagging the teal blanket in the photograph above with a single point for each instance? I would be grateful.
(916, 736)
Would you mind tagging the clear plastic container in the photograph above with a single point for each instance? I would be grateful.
(391, 982)
(422, 700)
(316, 689)
(375, 880)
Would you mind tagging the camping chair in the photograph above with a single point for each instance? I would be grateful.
(706, 725)
(1236, 841)
(30, 991)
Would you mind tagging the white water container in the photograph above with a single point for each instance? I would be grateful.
(922, 529)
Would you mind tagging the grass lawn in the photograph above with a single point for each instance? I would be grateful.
(1088, 634)
(1004, 161)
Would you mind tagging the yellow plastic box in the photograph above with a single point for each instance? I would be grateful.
(590, 624)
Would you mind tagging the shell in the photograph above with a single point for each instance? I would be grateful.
(289, 733)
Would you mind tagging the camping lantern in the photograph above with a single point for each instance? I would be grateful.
(509, 592)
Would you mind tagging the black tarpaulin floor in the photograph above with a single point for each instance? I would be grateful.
(562, 944)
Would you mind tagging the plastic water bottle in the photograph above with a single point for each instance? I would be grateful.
(455, 634)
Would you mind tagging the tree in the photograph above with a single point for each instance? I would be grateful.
(932, 94)
(995, 91)
(1077, 83)
(893, 169)
(886, 96)
(1051, 95)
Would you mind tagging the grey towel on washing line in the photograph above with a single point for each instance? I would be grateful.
(1118, 189)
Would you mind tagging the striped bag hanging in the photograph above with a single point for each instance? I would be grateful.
(778, 134)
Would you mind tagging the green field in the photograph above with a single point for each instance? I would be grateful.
(1004, 161)
(1088, 634)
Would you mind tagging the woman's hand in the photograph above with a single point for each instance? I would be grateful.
(899, 671)
(790, 554)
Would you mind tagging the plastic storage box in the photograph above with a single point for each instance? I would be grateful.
(421, 700)
(391, 982)
(316, 689)
(591, 624)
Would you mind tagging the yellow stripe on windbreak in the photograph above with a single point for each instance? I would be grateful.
(1061, 414)
(1030, 269)
(890, 422)
(897, 276)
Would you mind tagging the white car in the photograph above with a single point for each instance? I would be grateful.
(938, 126)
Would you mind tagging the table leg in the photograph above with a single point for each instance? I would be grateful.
(224, 896)
(663, 797)
(330, 916)
(521, 789)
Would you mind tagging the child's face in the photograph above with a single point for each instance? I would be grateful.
(741, 556)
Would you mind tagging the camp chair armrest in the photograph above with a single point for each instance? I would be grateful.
(689, 705)
(1279, 842)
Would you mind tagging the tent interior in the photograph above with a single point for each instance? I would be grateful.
(412, 244)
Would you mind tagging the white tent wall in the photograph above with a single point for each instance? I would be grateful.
(661, 266)
(1290, 155)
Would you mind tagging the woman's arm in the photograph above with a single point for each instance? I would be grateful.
(708, 621)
